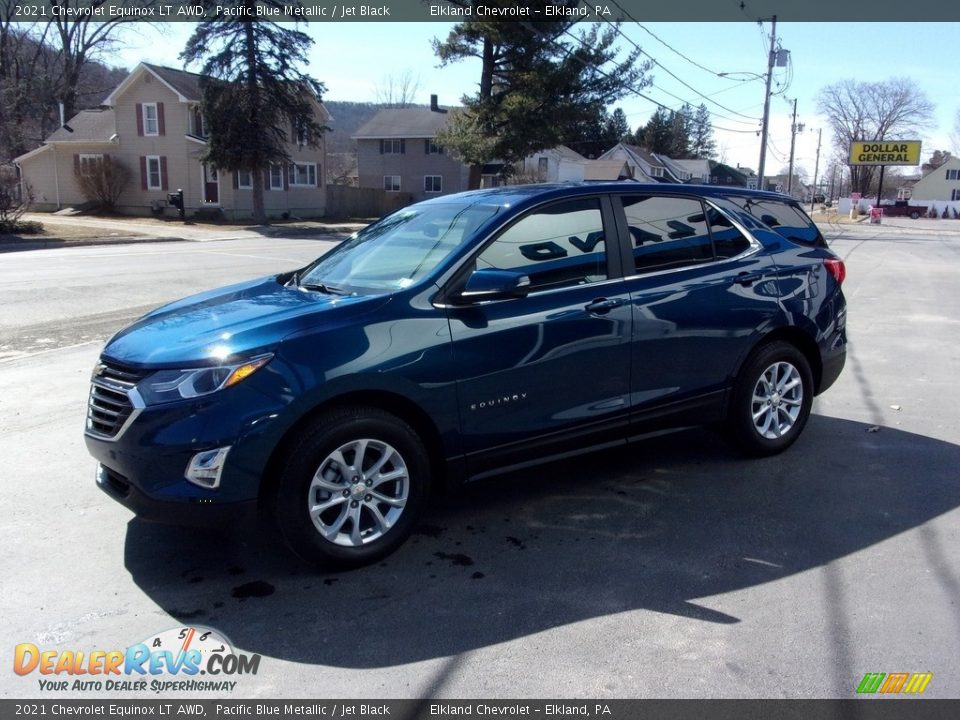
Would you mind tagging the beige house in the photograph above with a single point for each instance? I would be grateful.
(152, 124)
(396, 153)
(941, 184)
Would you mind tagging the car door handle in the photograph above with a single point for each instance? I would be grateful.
(602, 305)
(747, 278)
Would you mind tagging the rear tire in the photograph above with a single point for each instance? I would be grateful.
(352, 487)
(771, 400)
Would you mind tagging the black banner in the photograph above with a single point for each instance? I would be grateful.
(872, 709)
(872, 11)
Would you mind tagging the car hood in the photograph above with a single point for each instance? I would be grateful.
(235, 320)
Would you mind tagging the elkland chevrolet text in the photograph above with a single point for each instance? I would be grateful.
(463, 336)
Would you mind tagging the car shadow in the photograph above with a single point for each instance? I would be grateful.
(650, 527)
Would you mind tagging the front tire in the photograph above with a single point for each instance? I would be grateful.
(771, 400)
(352, 487)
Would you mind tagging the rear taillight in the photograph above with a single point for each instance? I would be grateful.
(836, 268)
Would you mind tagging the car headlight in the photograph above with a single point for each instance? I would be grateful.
(169, 385)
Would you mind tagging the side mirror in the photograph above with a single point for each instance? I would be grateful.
(488, 284)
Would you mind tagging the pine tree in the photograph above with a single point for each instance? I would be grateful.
(255, 100)
(539, 84)
(680, 123)
(702, 144)
(657, 134)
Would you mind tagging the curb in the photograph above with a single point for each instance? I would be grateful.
(21, 245)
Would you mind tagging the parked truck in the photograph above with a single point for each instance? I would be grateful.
(903, 208)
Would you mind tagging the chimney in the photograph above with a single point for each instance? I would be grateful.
(62, 120)
(434, 107)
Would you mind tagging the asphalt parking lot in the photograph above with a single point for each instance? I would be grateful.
(673, 568)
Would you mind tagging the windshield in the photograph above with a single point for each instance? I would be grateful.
(397, 251)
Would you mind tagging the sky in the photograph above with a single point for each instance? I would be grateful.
(353, 60)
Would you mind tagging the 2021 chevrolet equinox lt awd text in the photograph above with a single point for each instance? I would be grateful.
(463, 336)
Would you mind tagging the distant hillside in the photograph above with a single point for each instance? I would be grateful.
(347, 119)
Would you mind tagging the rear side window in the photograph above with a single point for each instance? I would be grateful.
(666, 232)
(784, 218)
(557, 246)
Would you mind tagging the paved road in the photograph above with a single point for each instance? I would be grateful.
(671, 569)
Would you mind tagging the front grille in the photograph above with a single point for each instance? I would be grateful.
(110, 407)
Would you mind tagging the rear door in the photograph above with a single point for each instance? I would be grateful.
(550, 372)
(701, 291)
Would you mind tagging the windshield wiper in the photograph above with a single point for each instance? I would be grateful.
(321, 287)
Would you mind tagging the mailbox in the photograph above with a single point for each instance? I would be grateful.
(176, 200)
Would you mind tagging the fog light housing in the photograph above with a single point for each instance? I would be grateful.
(205, 467)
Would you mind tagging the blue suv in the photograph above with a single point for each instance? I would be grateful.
(464, 336)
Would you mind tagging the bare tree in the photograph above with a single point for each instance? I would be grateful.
(103, 181)
(15, 199)
(84, 39)
(887, 110)
(955, 135)
(398, 90)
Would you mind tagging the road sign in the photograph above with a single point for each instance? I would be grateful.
(895, 152)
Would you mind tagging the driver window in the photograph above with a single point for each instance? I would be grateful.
(558, 246)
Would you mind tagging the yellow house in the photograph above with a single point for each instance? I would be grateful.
(151, 123)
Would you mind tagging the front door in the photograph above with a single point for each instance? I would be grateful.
(211, 185)
(550, 372)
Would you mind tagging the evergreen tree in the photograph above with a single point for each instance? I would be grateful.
(539, 84)
(657, 135)
(681, 122)
(255, 99)
(702, 144)
(617, 127)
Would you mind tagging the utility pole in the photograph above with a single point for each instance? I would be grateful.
(771, 58)
(794, 128)
(816, 169)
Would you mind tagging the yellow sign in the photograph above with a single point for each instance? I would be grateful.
(895, 152)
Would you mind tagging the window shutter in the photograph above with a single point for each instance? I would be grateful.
(316, 180)
(163, 171)
(403, 147)
(426, 147)
(381, 147)
(236, 179)
(76, 163)
(286, 176)
(266, 178)
(140, 119)
(143, 172)
(160, 123)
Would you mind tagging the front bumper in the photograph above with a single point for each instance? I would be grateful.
(192, 512)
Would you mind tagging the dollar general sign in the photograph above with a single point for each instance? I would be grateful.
(897, 152)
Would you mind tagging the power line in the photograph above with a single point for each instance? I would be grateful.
(632, 89)
(667, 70)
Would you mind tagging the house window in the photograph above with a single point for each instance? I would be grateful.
(303, 174)
(196, 120)
(154, 173)
(542, 165)
(391, 183)
(656, 172)
(244, 179)
(953, 174)
(955, 194)
(432, 148)
(151, 119)
(88, 163)
(276, 177)
(393, 147)
(432, 183)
